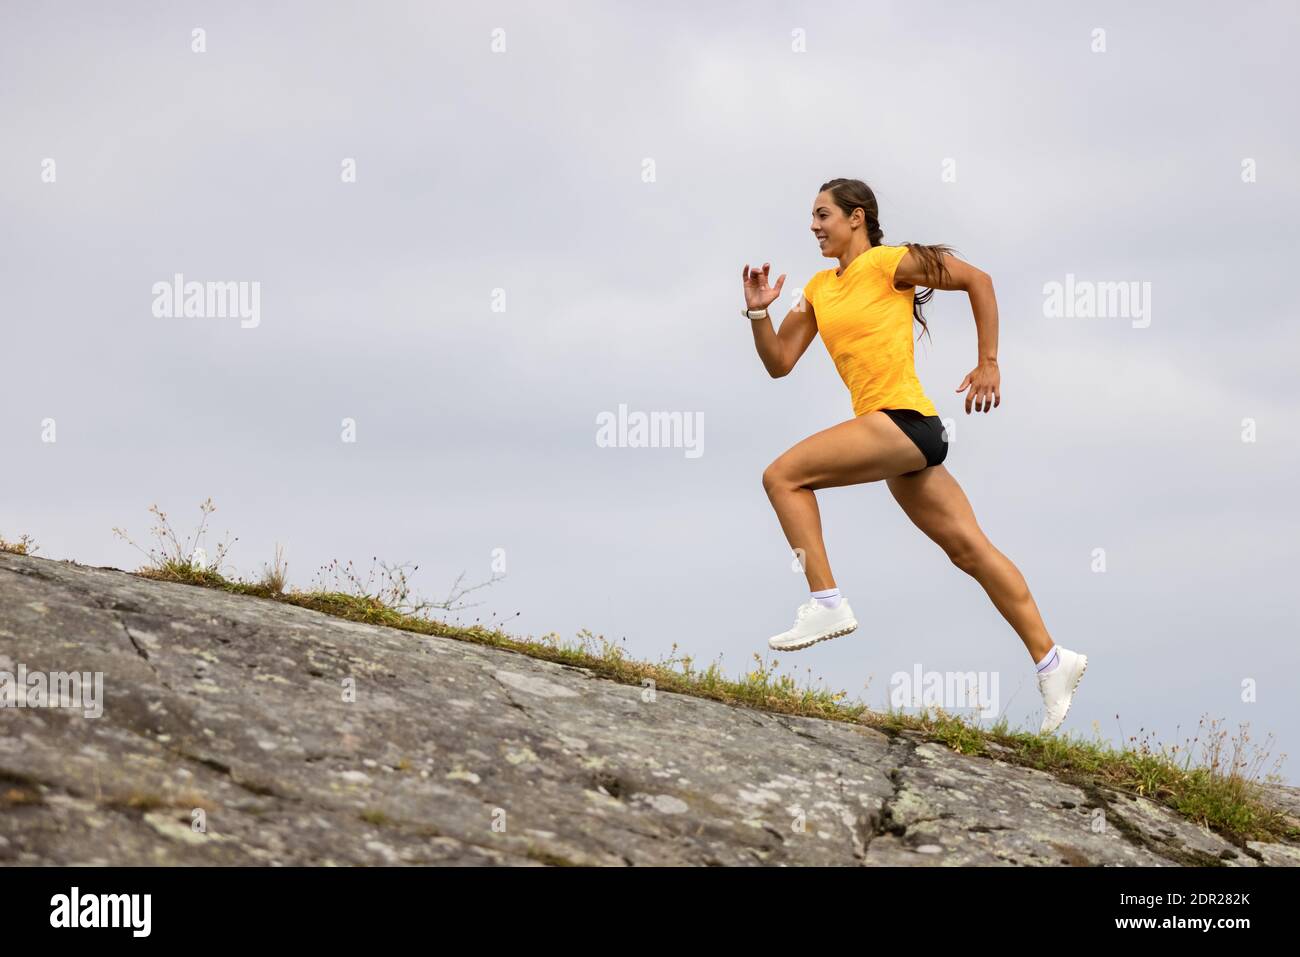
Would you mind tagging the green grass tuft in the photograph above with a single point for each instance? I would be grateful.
(24, 546)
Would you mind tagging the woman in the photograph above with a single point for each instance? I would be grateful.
(863, 311)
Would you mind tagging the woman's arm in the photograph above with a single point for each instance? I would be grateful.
(986, 391)
(779, 351)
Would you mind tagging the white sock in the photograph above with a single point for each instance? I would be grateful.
(1051, 661)
(828, 598)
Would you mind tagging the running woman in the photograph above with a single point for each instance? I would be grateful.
(863, 311)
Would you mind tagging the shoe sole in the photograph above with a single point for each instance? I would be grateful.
(1070, 700)
(812, 641)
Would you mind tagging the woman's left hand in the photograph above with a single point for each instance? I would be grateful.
(985, 391)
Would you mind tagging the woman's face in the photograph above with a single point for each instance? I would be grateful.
(830, 226)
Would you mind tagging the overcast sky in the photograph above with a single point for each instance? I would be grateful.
(550, 214)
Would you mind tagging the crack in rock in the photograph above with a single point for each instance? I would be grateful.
(1187, 857)
(880, 821)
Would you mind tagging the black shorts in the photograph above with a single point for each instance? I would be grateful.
(925, 430)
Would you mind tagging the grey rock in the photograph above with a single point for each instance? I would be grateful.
(228, 736)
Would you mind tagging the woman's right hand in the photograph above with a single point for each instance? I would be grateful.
(758, 294)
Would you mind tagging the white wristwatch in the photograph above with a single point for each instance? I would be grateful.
(756, 313)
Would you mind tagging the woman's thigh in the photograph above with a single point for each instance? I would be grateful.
(867, 448)
(937, 506)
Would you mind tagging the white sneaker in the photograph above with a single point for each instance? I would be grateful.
(815, 623)
(1057, 687)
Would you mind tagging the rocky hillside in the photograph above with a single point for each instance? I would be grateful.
(235, 730)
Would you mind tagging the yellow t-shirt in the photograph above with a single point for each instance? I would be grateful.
(866, 326)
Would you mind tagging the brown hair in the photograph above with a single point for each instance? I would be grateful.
(851, 194)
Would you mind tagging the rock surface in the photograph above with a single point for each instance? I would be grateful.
(228, 736)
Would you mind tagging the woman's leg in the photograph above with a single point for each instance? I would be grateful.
(863, 449)
(937, 506)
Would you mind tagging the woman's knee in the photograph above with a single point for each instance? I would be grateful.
(966, 553)
(772, 477)
(777, 476)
